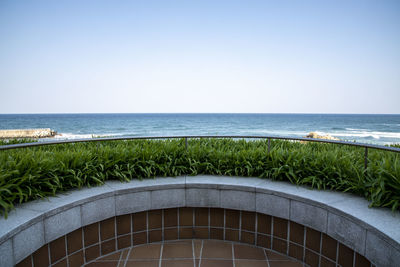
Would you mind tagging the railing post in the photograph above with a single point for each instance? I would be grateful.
(186, 143)
(366, 158)
(269, 145)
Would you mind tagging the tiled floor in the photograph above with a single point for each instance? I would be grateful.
(195, 253)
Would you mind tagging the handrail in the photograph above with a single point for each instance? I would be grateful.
(24, 145)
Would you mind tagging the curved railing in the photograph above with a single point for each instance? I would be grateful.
(186, 137)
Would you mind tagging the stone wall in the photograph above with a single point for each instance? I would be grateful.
(27, 133)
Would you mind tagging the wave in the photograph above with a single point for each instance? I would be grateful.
(364, 134)
(353, 134)
(82, 136)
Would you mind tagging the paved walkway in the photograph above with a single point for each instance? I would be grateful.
(195, 253)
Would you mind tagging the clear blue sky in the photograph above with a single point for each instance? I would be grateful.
(200, 56)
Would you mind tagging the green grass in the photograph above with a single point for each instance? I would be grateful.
(37, 172)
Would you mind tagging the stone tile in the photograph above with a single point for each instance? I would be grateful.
(361, 261)
(107, 229)
(217, 217)
(139, 221)
(57, 249)
(186, 233)
(313, 240)
(18, 219)
(264, 223)
(67, 200)
(62, 223)
(382, 253)
(380, 218)
(272, 205)
(280, 228)
(197, 197)
(186, 217)
(286, 264)
(247, 237)
(238, 200)
(132, 202)
(311, 258)
(203, 181)
(251, 263)
(139, 238)
(216, 263)
(27, 262)
(107, 247)
(155, 236)
(170, 218)
(98, 210)
(62, 263)
(248, 221)
(223, 182)
(200, 233)
(124, 241)
(274, 256)
(178, 249)
(147, 184)
(248, 252)
(263, 241)
(74, 241)
(171, 234)
(41, 257)
(197, 246)
(201, 216)
(92, 253)
(232, 219)
(177, 263)
(151, 251)
(345, 256)
(6, 252)
(155, 219)
(28, 241)
(91, 234)
(296, 233)
(308, 215)
(279, 245)
(296, 251)
(248, 184)
(232, 235)
(216, 250)
(169, 198)
(328, 248)
(123, 224)
(76, 259)
(142, 263)
(347, 232)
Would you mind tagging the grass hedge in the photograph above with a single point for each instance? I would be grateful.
(37, 172)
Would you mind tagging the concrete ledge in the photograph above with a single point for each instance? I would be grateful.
(372, 232)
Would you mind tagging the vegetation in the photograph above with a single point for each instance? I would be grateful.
(4, 142)
(37, 172)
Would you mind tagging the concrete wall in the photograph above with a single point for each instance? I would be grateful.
(372, 233)
(27, 133)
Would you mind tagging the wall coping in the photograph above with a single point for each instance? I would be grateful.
(372, 232)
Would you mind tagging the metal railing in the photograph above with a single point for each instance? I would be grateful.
(186, 137)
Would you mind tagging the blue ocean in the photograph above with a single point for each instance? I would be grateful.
(375, 129)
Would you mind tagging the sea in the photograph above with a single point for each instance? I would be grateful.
(364, 128)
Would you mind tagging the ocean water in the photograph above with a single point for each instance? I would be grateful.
(376, 129)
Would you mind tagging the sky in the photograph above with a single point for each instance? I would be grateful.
(339, 56)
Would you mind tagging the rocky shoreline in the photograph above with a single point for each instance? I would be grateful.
(317, 136)
(27, 133)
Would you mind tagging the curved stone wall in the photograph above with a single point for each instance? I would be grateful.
(342, 223)
(87, 243)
